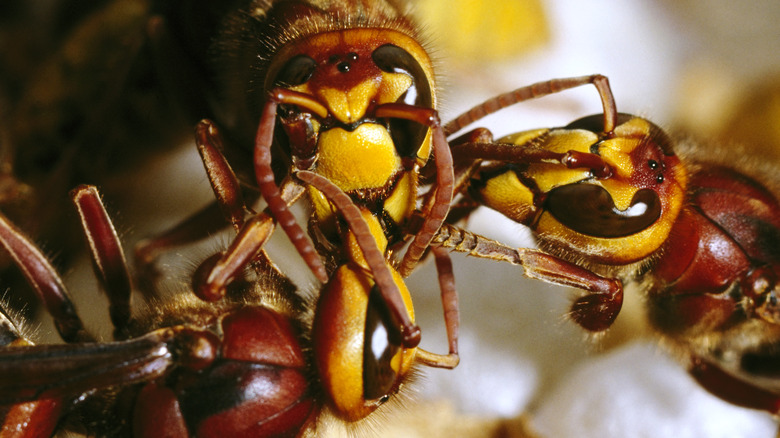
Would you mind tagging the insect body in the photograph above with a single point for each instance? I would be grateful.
(242, 365)
(241, 354)
(339, 88)
(609, 199)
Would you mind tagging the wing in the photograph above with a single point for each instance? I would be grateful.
(36, 372)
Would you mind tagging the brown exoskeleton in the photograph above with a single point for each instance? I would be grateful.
(255, 362)
(612, 198)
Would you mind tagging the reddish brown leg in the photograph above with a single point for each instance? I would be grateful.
(539, 89)
(212, 277)
(436, 211)
(107, 254)
(221, 176)
(463, 164)
(210, 280)
(449, 301)
(266, 179)
(595, 311)
(383, 277)
(734, 390)
(207, 221)
(464, 169)
(45, 281)
(230, 202)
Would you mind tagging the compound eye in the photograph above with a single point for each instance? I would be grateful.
(296, 71)
(595, 122)
(407, 136)
(382, 345)
(589, 209)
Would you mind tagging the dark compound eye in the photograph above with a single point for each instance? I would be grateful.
(595, 122)
(393, 59)
(407, 136)
(296, 71)
(590, 210)
(381, 345)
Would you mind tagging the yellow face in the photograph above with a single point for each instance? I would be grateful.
(350, 73)
(615, 220)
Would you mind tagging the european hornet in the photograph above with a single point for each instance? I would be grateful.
(339, 88)
(257, 362)
(613, 199)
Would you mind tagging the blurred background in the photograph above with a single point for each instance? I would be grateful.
(704, 69)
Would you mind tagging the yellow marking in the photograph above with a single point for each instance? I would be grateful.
(617, 152)
(361, 159)
(324, 213)
(506, 194)
(356, 254)
(349, 107)
(424, 153)
(619, 250)
(564, 140)
(549, 176)
(621, 192)
(521, 138)
(401, 202)
(393, 86)
(635, 128)
(340, 339)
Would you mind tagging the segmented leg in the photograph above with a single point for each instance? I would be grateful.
(210, 280)
(107, 254)
(380, 270)
(449, 301)
(734, 390)
(464, 165)
(206, 221)
(266, 179)
(230, 204)
(212, 277)
(595, 311)
(437, 209)
(45, 281)
(528, 155)
(221, 176)
(533, 91)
